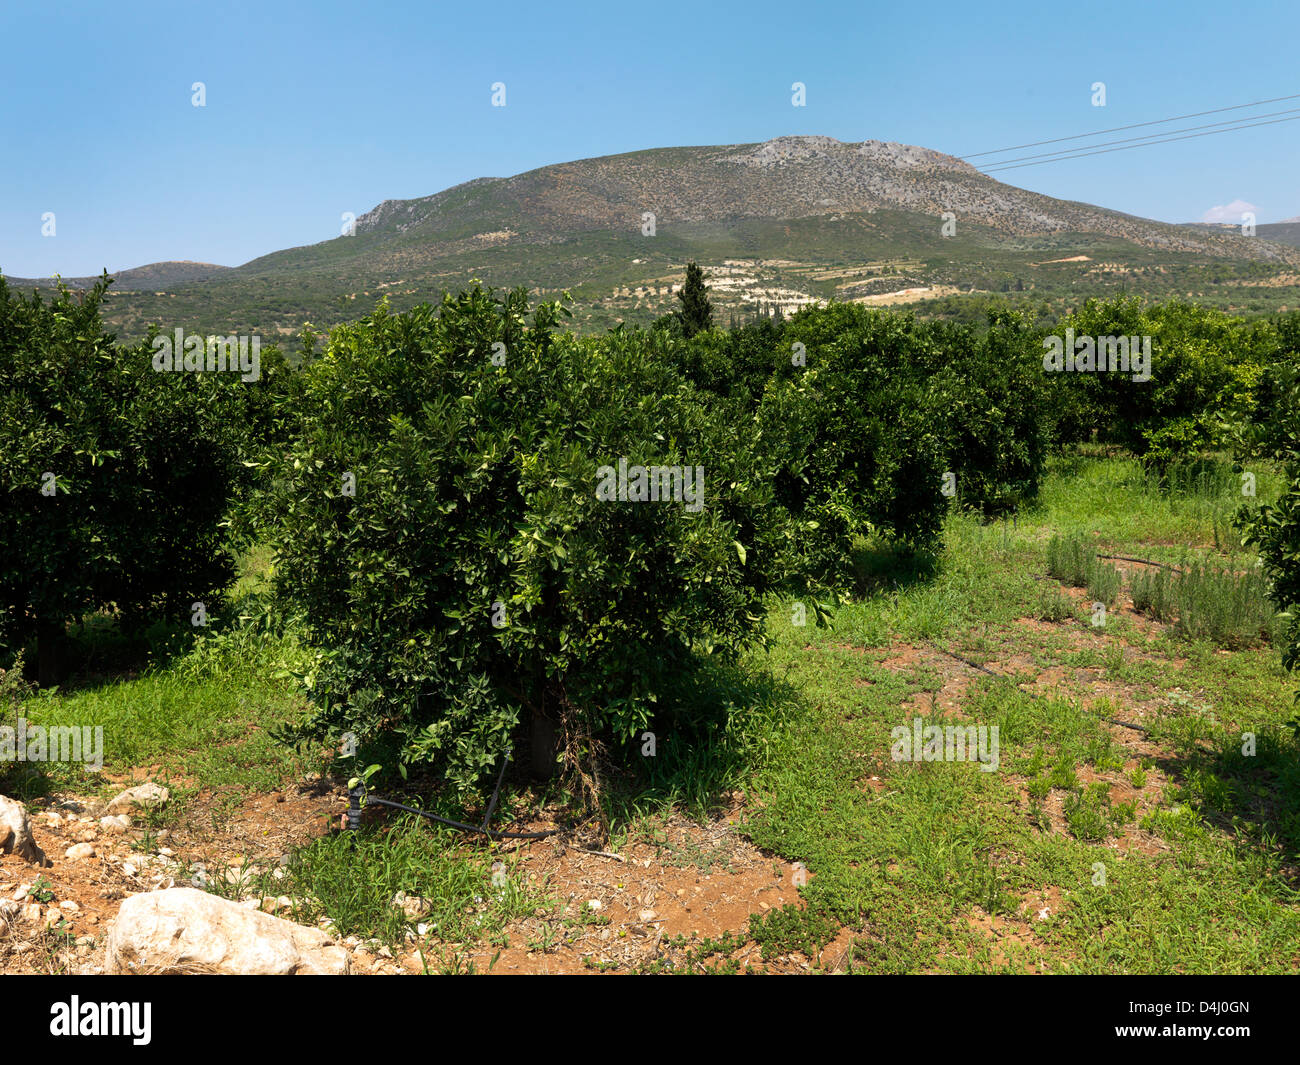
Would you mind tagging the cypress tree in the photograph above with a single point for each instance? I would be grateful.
(697, 312)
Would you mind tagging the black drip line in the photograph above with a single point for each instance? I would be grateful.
(357, 794)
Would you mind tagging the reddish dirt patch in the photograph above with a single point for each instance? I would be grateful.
(691, 883)
(683, 885)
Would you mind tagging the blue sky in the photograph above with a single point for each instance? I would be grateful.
(318, 108)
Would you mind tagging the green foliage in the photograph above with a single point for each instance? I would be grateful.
(987, 399)
(861, 414)
(1088, 813)
(1069, 560)
(142, 463)
(1153, 594)
(851, 454)
(977, 394)
(476, 499)
(1072, 561)
(353, 880)
(1201, 360)
(1273, 529)
(1053, 606)
(1103, 582)
(1230, 608)
(697, 312)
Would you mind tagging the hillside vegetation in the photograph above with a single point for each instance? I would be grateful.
(778, 224)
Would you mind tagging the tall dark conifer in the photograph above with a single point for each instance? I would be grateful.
(697, 312)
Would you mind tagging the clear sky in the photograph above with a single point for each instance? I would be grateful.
(313, 109)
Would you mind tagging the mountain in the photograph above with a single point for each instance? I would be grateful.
(153, 276)
(1287, 232)
(785, 222)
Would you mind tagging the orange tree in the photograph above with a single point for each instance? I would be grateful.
(114, 478)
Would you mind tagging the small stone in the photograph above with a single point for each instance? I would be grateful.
(128, 869)
(79, 851)
(144, 795)
(70, 906)
(115, 825)
(16, 833)
(595, 905)
(647, 915)
(22, 892)
(413, 907)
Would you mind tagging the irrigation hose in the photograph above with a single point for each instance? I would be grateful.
(489, 832)
(1038, 695)
(358, 793)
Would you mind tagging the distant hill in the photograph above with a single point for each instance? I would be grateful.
(1285, 232)
(152, 276)
(781, 223)
(1282, 232)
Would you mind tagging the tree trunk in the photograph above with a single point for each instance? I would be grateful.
(545, 746)
(48, 638)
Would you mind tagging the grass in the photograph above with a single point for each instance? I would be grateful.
(199, 720)
(353, 881)
(1171, 846)
(911, 868)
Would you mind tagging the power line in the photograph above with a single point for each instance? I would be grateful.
(1151, 137)
(1129, 147)
(1135, 125)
